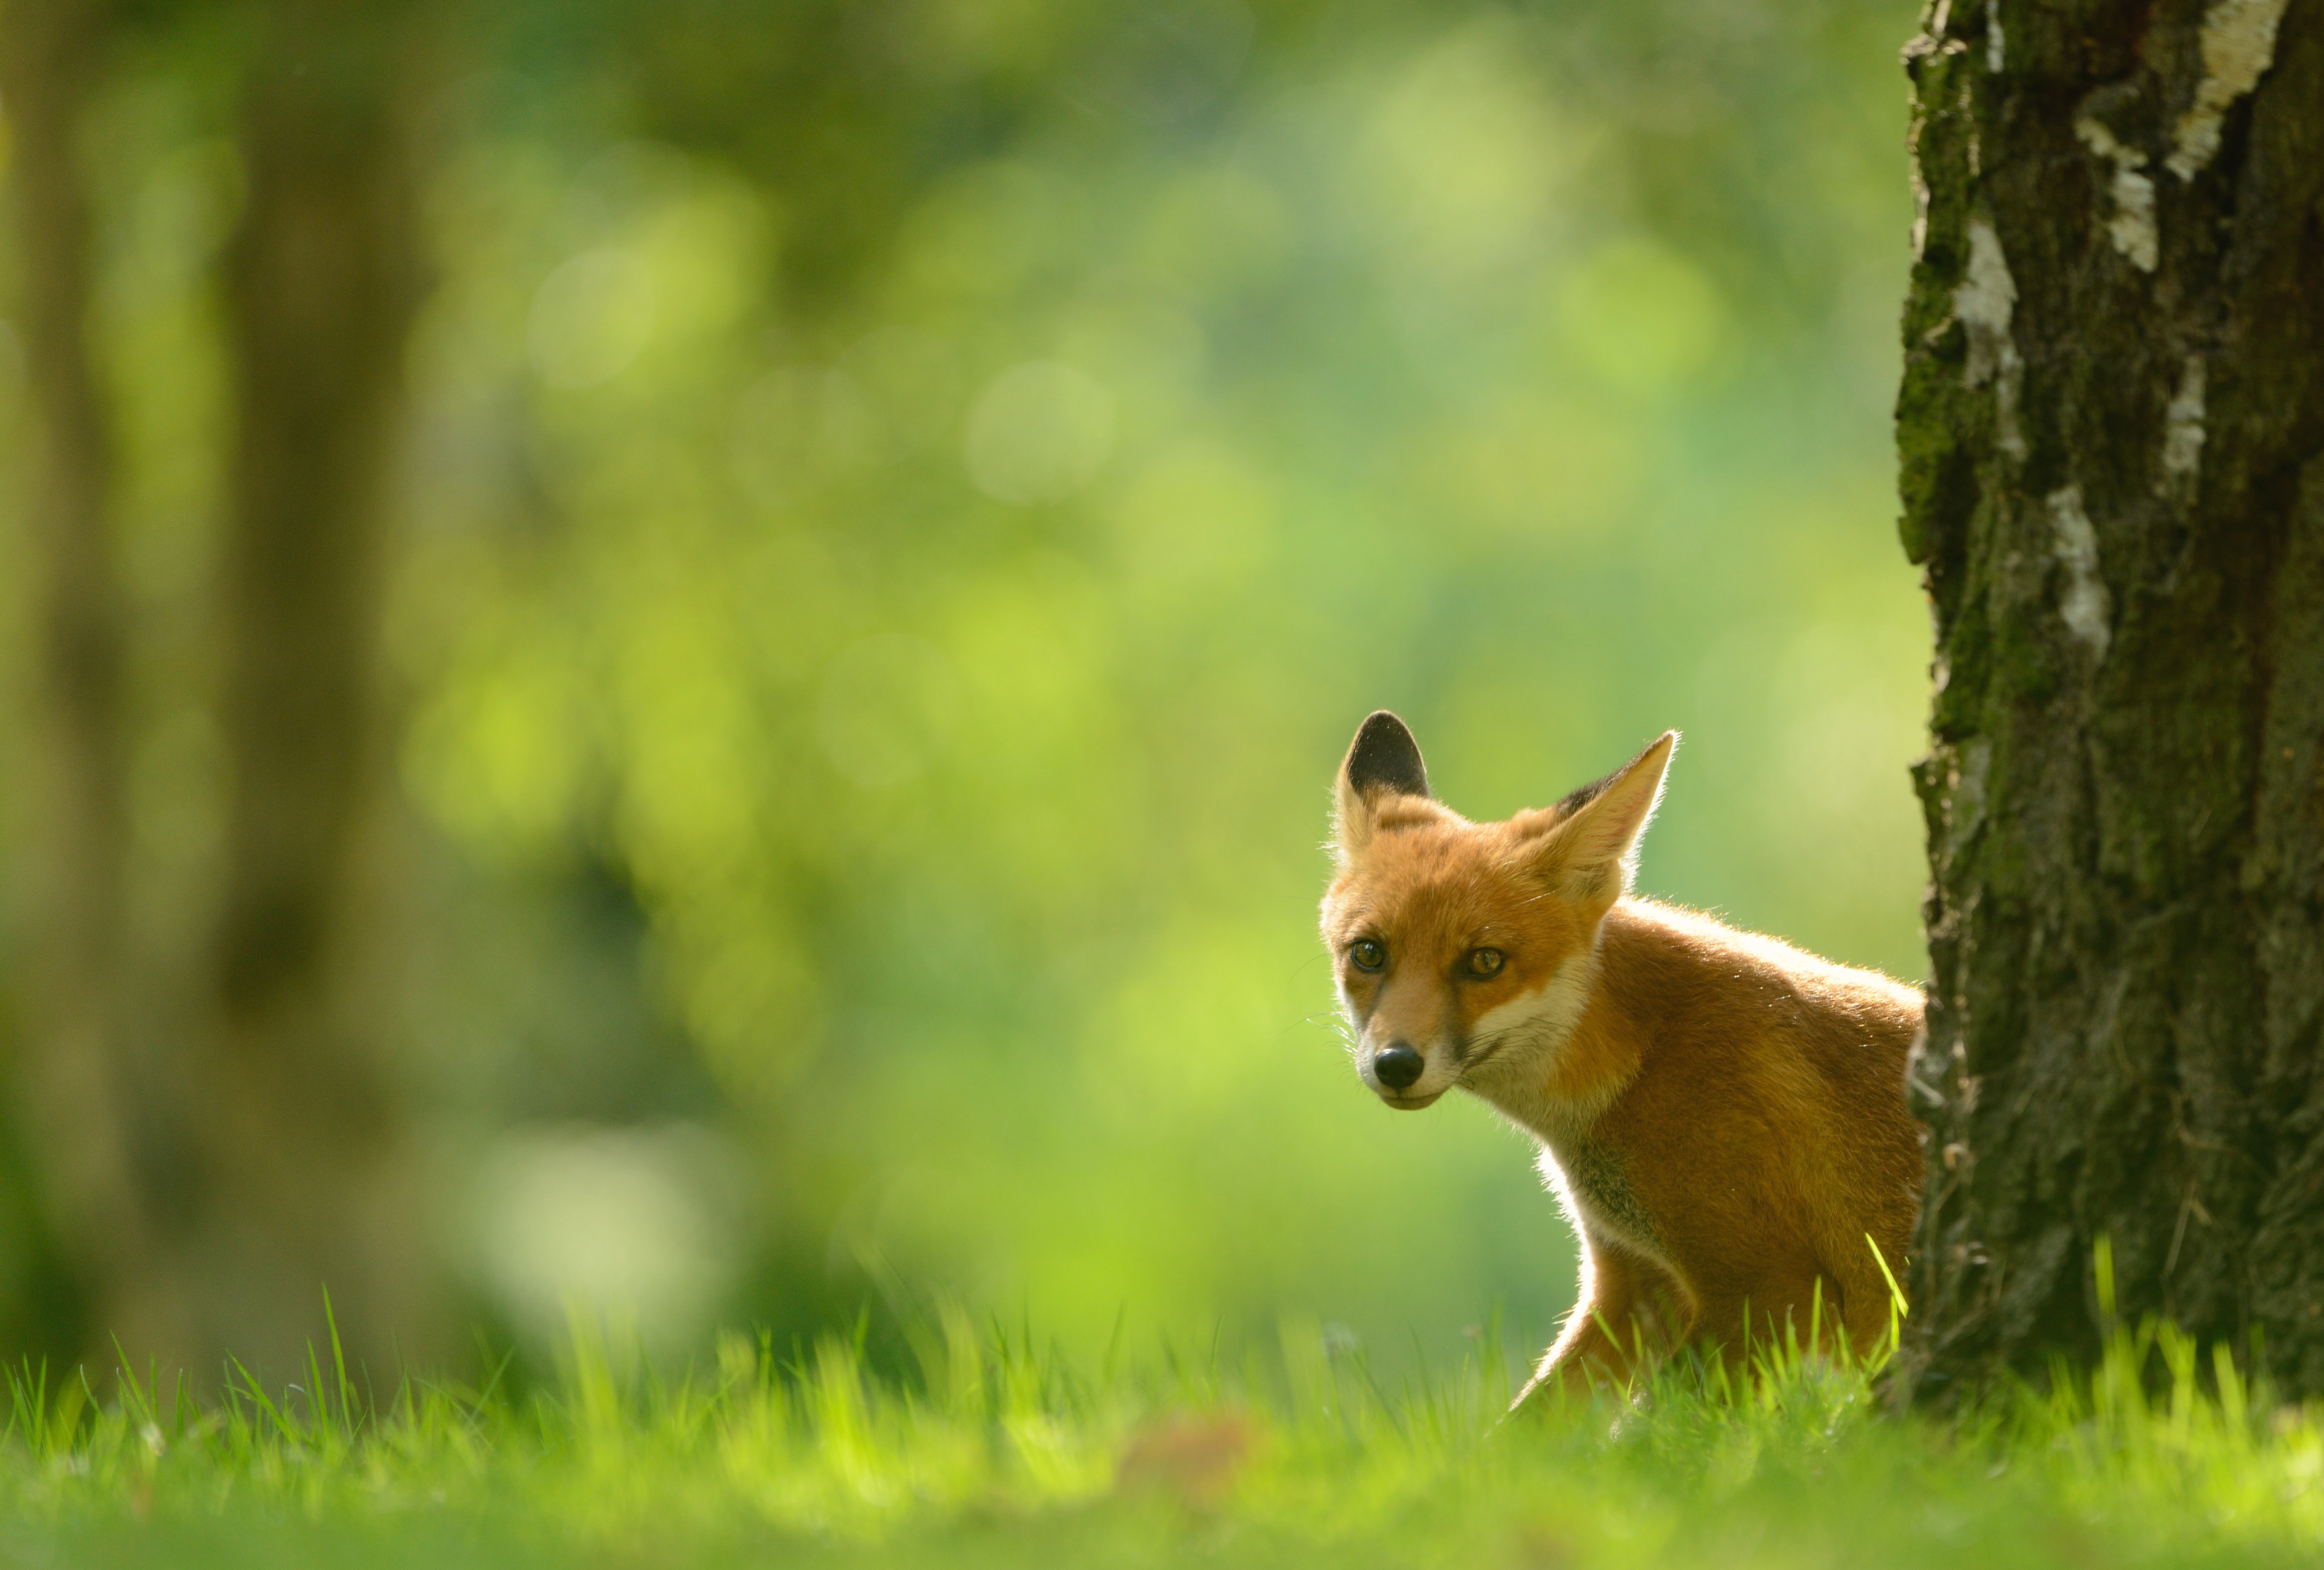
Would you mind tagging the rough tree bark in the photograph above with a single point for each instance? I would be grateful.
(2112, 433)
(304, 1182)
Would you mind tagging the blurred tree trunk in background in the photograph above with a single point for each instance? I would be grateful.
(205, 1192)
(2112, 435)
(74, 1080)
(302, 1170)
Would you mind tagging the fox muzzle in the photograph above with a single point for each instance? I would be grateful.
(1398, 1067)
(1398, 1074)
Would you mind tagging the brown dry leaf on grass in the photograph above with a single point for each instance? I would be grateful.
(1195, 1459)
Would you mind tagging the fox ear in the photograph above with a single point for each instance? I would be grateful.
(1385, 757)
(1592, 853)
(1383, 760)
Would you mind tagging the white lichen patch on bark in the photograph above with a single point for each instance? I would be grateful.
(1993, 42)
(2132, 226)
(2239, 46)
(2084, 606)
(2183, 426)
(1964, 799)
(1983, 303)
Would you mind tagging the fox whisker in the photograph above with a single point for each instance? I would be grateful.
(1527, 1032)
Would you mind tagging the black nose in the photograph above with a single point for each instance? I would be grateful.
(1398, 1066)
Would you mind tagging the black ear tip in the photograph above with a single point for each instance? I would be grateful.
(1385, 756)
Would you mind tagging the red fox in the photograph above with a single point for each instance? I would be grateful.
(1721, 1115)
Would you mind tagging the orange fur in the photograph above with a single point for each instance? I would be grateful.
(1722, 1114)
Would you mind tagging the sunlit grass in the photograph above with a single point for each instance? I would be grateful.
(994, 1452)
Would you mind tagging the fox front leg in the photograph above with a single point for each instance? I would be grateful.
(1605, 1340)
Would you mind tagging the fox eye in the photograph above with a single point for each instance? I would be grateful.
(1485, 961)
(1367, 954)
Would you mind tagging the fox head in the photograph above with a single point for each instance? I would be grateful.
(1460, 948)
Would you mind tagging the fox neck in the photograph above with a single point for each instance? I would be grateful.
(1562, 1057)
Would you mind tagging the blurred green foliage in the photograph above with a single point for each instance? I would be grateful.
(907, 504)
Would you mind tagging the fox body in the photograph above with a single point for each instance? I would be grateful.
(1721, 1115)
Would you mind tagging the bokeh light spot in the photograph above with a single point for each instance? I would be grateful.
(590, 318)
(1038, 432)
(1642, 318)
(612, 1221)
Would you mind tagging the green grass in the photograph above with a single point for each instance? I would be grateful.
(995, 1455)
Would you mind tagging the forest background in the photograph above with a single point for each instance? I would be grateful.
(898, 511)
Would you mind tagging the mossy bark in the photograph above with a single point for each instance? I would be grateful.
(2111, 429)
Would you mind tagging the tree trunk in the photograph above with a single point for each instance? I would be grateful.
(305, 1185)
(206, 1194)
(74, 1079)
(2112, 434)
